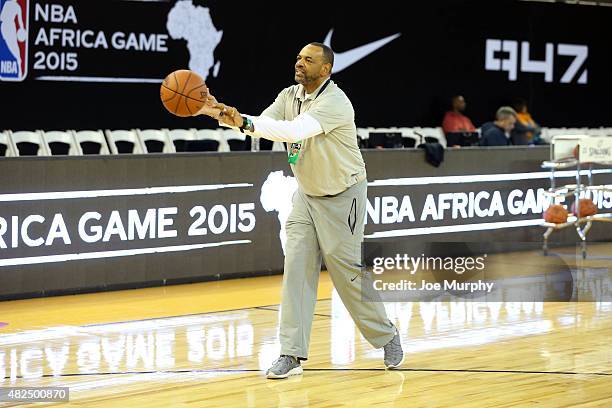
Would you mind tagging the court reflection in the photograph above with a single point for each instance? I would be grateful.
(247, 340)
(153, 345)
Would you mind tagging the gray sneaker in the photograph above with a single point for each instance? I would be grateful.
(284, 367)
(394, 355)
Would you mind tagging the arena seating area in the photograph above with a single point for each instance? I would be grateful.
(135, 141)
(139, 141)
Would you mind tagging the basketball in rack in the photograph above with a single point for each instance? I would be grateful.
(577, 153)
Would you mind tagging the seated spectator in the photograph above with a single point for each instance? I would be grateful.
(454, 120)
(526, 131)
(497, 133)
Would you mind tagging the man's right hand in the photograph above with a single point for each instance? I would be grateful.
(221, 112)
(210, 108)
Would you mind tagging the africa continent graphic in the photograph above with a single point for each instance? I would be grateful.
(194, 25)
(276, 194)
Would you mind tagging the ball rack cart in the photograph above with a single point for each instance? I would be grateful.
(592, 150)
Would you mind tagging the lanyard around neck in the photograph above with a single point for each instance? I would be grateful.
(294, 149)
(316, 96)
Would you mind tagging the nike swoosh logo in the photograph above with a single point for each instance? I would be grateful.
(343, 60)
(354, 277)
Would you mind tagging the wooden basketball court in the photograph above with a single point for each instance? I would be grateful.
(209, 344)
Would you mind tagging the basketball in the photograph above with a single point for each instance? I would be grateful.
(587, 207)
(556, 214)
(183, 93)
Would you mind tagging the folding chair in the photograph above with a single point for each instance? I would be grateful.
(61, 143)
(155, 141)
(6, 145)
(29, 143)
(91, 142)
(124, 141)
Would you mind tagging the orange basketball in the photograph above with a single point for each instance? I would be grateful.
(587, 207)
(183, 92)
(556, 214)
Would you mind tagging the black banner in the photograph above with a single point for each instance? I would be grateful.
(98, 64)
(82, 223)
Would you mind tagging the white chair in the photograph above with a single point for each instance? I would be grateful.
(596, 132)
(234, 138)
(379, 130)
(180, 137)
(362, 136)
(557, 131)
(87, 140)
(549, 133)
(56, 141)
(124, 136)
(602, 131)
(154, 137)
(576, 131)
(362, 132)
(408, 133)
(21, 139)
(544, 136)
(6, 145)
(379, 136)
(433, 134)
(213, 135)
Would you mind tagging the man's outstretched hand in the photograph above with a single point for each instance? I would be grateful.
(221, 112)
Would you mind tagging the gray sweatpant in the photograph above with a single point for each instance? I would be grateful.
(332, 228)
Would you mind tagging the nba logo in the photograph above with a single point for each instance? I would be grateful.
(13, 39)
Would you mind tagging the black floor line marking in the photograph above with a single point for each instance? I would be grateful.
(220, 370)
(184, 315)
(461, 370)
(432, 370)
(272, 309)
